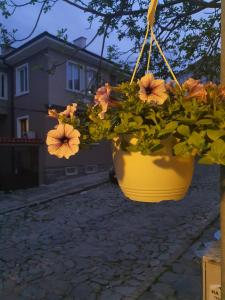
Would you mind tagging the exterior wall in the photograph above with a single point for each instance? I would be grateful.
(58, 92)
(50, 88)
(98, 157)
(5, 105)
(92, 160)
(33, 104)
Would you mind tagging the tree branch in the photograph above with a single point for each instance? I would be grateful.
(35, 25)
(120, 13)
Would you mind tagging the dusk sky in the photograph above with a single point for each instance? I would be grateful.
(62, 15)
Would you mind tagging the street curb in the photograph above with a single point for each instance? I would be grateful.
(145, 285)
(35, 201)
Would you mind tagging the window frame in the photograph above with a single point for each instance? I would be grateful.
(18, 125)
(18, 91)
(5, 86)
(81, 74)
(92, 69)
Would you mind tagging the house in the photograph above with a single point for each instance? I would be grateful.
(47, 72)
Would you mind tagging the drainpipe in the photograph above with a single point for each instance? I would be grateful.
(222, 169)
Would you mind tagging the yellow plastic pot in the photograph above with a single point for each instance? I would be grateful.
(153, 178)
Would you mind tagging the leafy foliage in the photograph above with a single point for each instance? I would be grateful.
(194, 120)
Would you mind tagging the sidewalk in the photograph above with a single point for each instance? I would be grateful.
(44, 193)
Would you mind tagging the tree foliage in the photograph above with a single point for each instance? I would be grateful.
(188, 31)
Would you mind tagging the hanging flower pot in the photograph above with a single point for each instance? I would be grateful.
(153, 178)
(161, 128)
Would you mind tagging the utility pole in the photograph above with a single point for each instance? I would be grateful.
(222, 169)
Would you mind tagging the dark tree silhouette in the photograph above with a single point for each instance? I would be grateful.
(188, 30)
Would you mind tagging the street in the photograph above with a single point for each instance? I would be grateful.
(97, 245)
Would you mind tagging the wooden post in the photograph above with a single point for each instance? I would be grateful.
(222, 169)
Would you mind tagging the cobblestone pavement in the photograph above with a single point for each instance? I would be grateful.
(11, 201)
(183, 279)
(97, 245)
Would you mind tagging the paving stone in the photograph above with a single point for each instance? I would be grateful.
(77, 279)
(101, 281)
(130, 248)
(10, 296)
(99, 243)
(164, 257)
(69, 264)
(125, 290)
(188, 267)
(83, 292)
(32, 292)
(188, 287)
(110, 295)
(162, 289)
(8, 284)
(168, 277)
(151, 296)
(68, 298)
(155, 262)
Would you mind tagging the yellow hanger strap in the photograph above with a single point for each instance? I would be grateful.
(151, 19)
(151, 12)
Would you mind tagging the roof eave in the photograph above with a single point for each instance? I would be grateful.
(46, 40)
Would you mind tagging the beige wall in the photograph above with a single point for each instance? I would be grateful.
(99, 155)
(5, 106)
(45, 89)
(58, 93)
(33, 104)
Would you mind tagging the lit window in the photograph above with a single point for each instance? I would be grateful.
(73, 76)
(3, 86)
(91, 80)
(22, 126)
(22, 86)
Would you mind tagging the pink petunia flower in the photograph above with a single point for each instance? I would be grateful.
(152, 90)
(63, 141)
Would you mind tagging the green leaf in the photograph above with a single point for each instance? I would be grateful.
(184, 130)
(156, 147)
(207, 160)
(150, 130)
(181, 149)
(196, 139)
(138, 120)
(218, 147)
(215, 134)
(185, 120)
(132, 148)
(169, 128)
(205, 122)
(151, 116)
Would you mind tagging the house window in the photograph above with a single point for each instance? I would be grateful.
(22, 126)
(22, 85)
(74, 76)
(91, 80)
(3, 85)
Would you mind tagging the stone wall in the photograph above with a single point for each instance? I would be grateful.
(56, 174)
